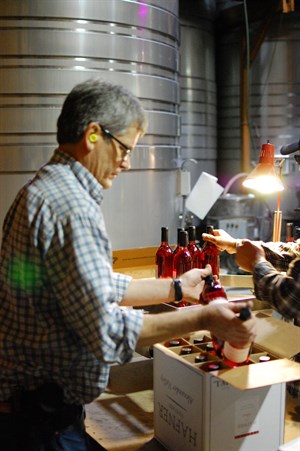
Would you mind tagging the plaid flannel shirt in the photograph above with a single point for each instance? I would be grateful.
(278, 281)
(59, 310)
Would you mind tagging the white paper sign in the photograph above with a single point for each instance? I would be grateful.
(203, 195)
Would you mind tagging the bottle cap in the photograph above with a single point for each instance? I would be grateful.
(200, 358)
(209, 229)
(164, 234)
(186, 350)
(296, 233)
(209, 347)
(213, 366)
(192, 233)
(173, 343)
(245, 313)
(198, 340)
(264, 358)
(183, 238)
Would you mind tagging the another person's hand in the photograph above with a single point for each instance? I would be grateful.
(248, 254)
(192, 283)
(222, 321)
(222, 240)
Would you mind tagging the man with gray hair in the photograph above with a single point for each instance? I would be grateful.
(63, 321)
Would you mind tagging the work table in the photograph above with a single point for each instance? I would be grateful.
(123, 420)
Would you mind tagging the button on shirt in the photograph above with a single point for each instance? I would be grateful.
(59, 298)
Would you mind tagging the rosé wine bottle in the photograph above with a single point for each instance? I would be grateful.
(211, 254)
(164, 256)
(233, 355)
(182, 260)
(193, 249)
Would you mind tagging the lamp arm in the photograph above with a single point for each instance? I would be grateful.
(233, 180)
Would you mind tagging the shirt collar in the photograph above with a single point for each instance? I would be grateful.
(85, 178)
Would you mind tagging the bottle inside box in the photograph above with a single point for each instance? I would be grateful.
(198, 351)
(175, 342)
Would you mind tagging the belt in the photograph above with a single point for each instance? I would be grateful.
(6, 407)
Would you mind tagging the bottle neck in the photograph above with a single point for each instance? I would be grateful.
(164, 235)
(178, 235)
(192, 234)
(183, 239)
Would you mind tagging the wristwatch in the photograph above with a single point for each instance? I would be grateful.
(177, 289)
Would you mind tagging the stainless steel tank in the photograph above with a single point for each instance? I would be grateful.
(46, 47)
(198, 89)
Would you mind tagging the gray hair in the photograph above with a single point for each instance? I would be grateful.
(99, 101)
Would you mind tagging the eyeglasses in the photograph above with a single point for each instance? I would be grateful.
(126, 150)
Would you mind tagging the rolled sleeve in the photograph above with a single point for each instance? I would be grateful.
(280, 289)
(121, 284)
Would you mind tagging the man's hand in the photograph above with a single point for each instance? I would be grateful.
(248, 254)
(222, 240)
(222, 321)
(193, 283)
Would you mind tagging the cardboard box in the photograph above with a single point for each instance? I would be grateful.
(231, 409)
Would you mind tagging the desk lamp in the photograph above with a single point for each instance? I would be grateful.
(264, 179)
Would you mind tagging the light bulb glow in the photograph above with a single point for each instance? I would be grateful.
(264, 184)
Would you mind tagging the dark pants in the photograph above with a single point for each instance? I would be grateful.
(41, 421)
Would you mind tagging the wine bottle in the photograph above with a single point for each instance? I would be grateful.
(180, 229)
(193, 249)
(182, 260)
(211, 366)
(214, 293)
(164, 256)
(237, 356)
(289, 232)
(211, 253)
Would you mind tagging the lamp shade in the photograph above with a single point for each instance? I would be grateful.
(263, 178)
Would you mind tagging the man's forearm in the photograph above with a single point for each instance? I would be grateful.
(220, 319)
(169, 325)
(281, 290)
(143, 292)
